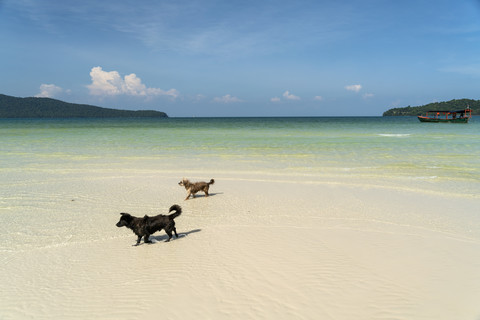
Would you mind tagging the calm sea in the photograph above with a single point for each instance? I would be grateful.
(399, 151)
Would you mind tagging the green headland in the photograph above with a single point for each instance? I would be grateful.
(13, 107)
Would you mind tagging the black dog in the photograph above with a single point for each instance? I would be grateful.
(144, 227)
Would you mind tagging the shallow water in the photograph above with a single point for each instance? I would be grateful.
(84, 166)
(398, 150)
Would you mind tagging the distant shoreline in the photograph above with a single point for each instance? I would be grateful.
(47, 108)
(452, 105)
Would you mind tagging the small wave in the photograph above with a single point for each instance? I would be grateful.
(397, 135)
(424, 178)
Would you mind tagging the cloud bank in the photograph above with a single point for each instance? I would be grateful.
(49, 91)
(226, 99)
(354, 87)
(287, 96)
(110, 83)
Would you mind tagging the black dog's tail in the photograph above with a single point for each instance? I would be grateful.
(211, 181)
(178, 211)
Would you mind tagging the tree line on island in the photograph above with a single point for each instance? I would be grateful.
(452, 105)
(32, 107)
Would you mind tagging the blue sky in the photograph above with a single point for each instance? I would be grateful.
(242, 58)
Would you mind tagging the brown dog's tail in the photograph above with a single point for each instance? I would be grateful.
(178, 211)
(211, 182)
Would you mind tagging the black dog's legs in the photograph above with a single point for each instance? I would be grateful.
(169, 233)
(145, 239)
(138, 241)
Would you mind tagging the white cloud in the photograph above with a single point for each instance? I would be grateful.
(111, 84)
(354, 87)
(132, 85)
(172, 93)
(226, 99)
(287, 95)
(105, 83)
(49, 91)
(318, 98)
(368, 95)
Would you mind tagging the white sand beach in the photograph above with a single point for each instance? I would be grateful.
(260, 247)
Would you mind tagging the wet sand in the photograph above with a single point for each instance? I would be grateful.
(260, 247)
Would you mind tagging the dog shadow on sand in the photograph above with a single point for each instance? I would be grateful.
(204, 196)
(162, 238)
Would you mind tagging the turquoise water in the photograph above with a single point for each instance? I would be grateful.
(396, 150)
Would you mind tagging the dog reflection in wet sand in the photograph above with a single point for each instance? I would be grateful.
(194, 187)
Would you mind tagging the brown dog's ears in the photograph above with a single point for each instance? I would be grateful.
(124, 214)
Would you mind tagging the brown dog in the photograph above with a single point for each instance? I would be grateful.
(144, 227)
(194, 187)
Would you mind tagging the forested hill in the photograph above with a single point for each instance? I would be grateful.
(13, 107)
(451, 105)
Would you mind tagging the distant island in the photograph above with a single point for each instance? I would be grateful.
(451, 105)
(13, 107)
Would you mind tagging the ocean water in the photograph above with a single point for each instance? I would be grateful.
(396, 151)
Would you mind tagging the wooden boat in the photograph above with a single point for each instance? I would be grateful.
(460, 116)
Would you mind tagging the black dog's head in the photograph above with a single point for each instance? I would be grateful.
(125, 220)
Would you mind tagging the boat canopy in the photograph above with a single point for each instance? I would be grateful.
(443, 111)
